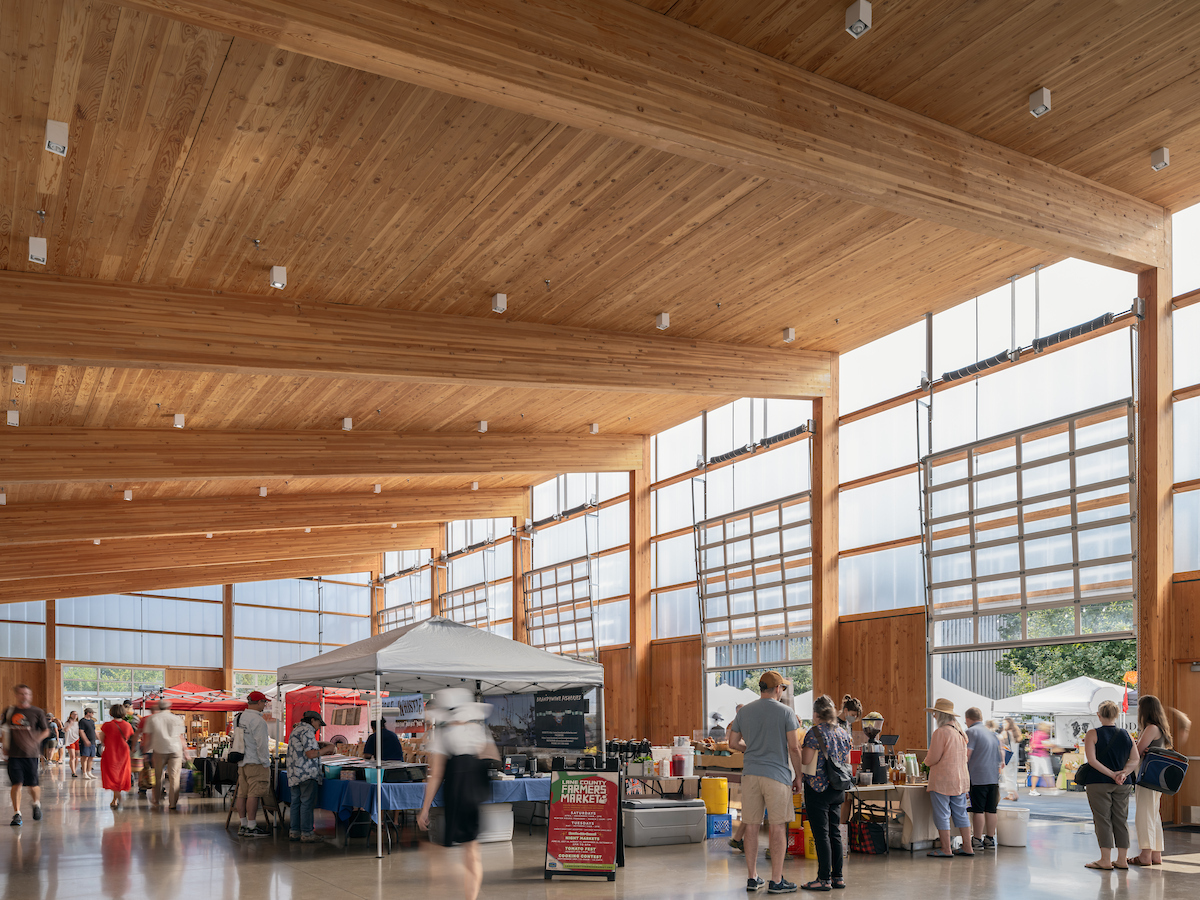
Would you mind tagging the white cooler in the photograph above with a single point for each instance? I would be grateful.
(495, 823)
(649, 823)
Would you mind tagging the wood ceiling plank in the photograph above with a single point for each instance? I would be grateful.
(117, 519)
(149, 580)
(117, 556)
(656, 82)
(51, 321)
(49, 455)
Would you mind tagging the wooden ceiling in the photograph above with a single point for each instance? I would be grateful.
(198, 159)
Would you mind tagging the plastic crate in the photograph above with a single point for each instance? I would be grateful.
(720, 825)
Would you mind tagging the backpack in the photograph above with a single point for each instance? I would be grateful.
(237, 744)
(837, 773)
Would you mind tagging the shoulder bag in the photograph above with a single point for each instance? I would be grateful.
(237, 743)
(1162, 770)
(837, 773)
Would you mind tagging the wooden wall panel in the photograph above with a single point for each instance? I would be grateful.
(676, 688)
(883, 665)
(620, 721)
(209, 678)
(1185, 619)
(23, 671)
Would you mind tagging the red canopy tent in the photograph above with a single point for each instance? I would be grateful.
(189, 697)
(301, 700)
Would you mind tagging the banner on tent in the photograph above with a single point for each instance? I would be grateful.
(558, 720)
(582, 833)
(1069, 730)
(410, 712)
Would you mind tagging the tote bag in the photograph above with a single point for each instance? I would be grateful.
(1162, 770)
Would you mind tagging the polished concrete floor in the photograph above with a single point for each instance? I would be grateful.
(82, 850)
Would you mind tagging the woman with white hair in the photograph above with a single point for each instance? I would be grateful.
(949, 780)
(458, 752)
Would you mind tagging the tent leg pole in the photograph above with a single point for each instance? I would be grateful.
(378, 769)
(600, 725)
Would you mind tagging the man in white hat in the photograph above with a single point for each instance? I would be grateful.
(163, 731)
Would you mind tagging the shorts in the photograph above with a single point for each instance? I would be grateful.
(1040, 766)
(760, 794)
(947, 806)
(74, 745)
(253, 781)
(985, 798)
(89, 750)
(23, 770)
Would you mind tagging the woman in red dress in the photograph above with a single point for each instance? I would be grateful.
(114, 764)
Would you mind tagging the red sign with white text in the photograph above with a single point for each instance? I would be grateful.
(583, 822)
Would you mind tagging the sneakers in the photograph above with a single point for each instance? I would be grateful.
(254, 831)
(292, 836)
(989, 842)
(735, 844)
(752, 884)
(976, 843)
(16, 820)
(782, 886)
(1034, 794)
(37, 810)
(310, 838)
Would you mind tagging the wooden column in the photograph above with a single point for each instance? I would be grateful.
(438, 572)
(227, 637)
(52, 698)
(522, 552)
(640, 623)
(376, 595)
(825, 539)
(1155, 558)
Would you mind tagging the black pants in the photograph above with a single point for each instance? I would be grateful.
(824, 810)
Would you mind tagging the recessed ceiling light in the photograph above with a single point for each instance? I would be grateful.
(1160, 159)
(858, 18)
(1039, 102)
(278, 276)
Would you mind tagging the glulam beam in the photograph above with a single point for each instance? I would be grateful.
(69, 455)
(51, 320)
(116, 519)
(618, 68)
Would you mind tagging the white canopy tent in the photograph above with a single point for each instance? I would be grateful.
(1078, 697)
(438, 653)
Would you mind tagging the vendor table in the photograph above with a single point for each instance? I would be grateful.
(217, 773)
(655, 783)
(353, 802)
(913, 799)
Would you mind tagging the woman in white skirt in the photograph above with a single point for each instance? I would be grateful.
(1010, 740)
(1153, 733)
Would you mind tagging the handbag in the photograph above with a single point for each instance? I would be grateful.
(837, 773)
(868, 834)
(1162, 770)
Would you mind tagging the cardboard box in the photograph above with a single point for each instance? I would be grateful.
(733, 761)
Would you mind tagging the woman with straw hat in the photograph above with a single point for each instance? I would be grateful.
(949, 780)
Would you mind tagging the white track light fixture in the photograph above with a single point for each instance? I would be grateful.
(3, 499)
(858, 18)
(474, 485)
(129, 495)
(1160, 159)
(347, 424)
(209, 535)
(789, 335)
(14, 417)
(499, 303)
(19, 374)
(308, 531)
(594, 428)
(179, 420)
(262, 492)
(56, 137)
(662, 321)
(278, 276)
(379, 488)
(96, 541)
(482, 427)
(37, 250)
(1039, 102)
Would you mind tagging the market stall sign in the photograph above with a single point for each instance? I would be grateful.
(558, 720)
(582, 834)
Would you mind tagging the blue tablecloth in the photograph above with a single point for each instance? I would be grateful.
(343, 797)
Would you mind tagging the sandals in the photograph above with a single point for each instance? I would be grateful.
(961, 852)
(1134, 861)
(838, 884)
(940, 854)
(816, 885)
(1096, 865)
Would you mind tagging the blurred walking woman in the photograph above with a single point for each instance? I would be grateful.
(72, 739)
(1010, 740)
(458, 754)
(1153, 732)
(1111, 753)
(115, 763)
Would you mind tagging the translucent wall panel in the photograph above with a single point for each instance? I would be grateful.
(344, 629)
(545, 499)
(465, 533)
(210, 592)
(559, 608)
(1187, 531)
(180, 616)
(672, 507)
(408, 589)
(132, 648)
(1185, 327)
(887, 579)
(885, 511)
(33, 611)
(345, 598)
(614, 575)
(614, 526)
(756, 480)
(1187, 436)
(285, 593)
(674, 561)
(675, 613)
(398, 560)
(882, 369)
(352, 577)
(148, 613)
(279, 624)
(676, 449)
(556, 543)
(878, 443)
(612, 623)
(268, 655)
(1185, 243)
(22, 640)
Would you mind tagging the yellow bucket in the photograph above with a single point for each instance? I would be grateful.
(715, 794)
(810, 846)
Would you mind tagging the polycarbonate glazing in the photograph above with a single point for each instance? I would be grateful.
(22, 640)
(268, 655)
(612, 623)
(878, 443)
(1031, 536)
(137, 648)
(1186, 424)
(881, 369)
(1187, 531)
(560, 608)
(884, 511)
(755, 581)
(139, 613)
(885, 579)
(674, 613)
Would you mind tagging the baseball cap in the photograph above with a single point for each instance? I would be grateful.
(164, 703)
(256, 697)
(313, 716)
(770, 679)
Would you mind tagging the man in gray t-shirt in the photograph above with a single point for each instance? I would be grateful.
(767, 732)
(985, 759)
